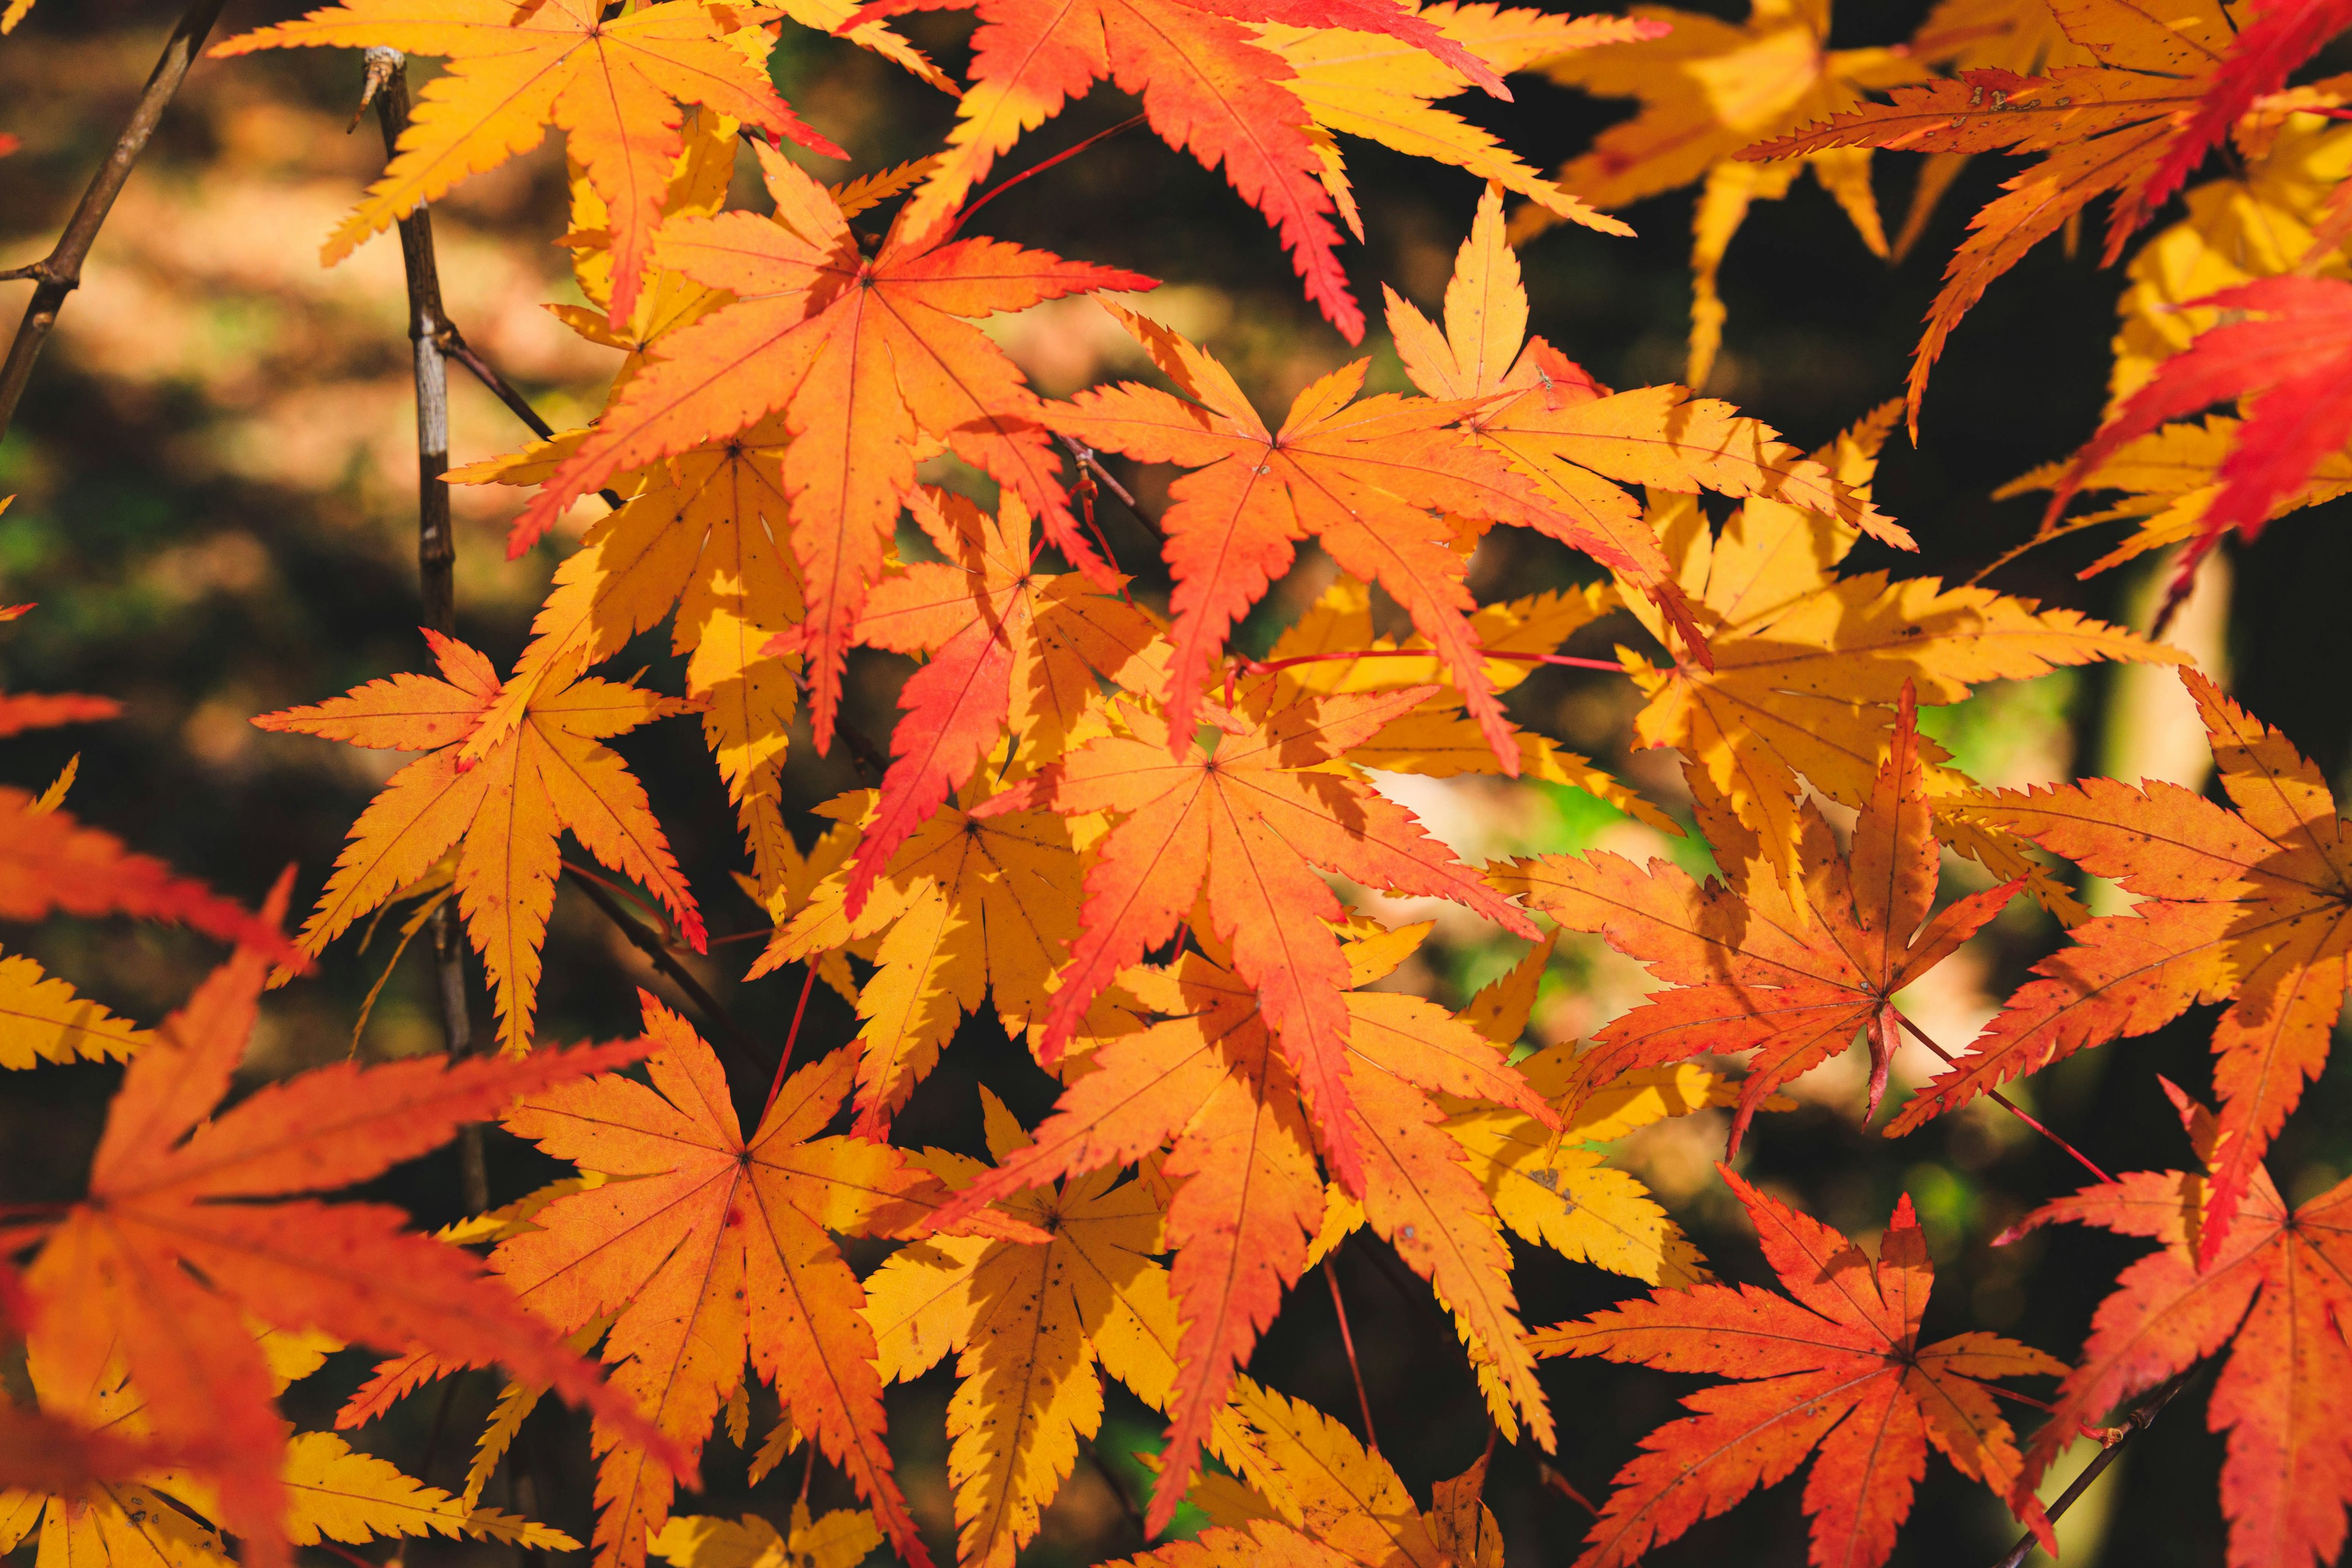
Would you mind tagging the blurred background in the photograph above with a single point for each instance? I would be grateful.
(215, 472)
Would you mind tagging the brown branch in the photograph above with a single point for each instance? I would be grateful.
(58, 273)
(453, 345)
(2140, 1421)
(721, 1021)
(437, 546)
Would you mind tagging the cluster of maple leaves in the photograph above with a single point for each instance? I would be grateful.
(1123, 837)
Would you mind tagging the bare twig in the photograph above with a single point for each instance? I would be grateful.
(784, 1060)
(2011, 1106)
(1348, 1342)
(721, 1021)
(58, 273)
(2140, 1421)
(453, 345)
(437, 546)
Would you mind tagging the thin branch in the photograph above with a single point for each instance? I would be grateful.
(2011, 1106)
(437, 546)
(1348, 1341)
(453, 345)
(1092, 462)
(1035, 170)
(58, 273)
(783, 1062)
(2140, 1421)
(1560, 1484)
(721, 1021)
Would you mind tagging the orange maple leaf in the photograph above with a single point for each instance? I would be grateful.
(192, 1224)
(709, 1247)
(615, 86)
(1839, 1368)
(1209, 1085)
(1582, 443)
(864, 357)
(550, 773)
(1209, 87)
(1248, 824)
(1792, 975)
(2278, 1294)
(2103, 127)
(1008, 645)
(2253, 906)
(1364, 477)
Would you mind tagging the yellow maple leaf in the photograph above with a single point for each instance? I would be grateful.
(1031, 1323)
(334, 1491)
(841, 1538)
(615, 86)
(1808, 665)
(1439, 740)
(1313, 1475)
(1381, 88)
(44, 1019)
(2167, 478)
(971, 907)
(2259, 223)
(1708, 89)
(506, 812)
(1582, 443)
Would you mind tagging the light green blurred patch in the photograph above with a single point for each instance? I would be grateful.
(2010, 732)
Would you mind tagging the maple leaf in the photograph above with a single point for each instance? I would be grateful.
(1708, 88)
(1360, 475)
(2166, 480)
(2292, 363)
(2274, 40)
(2020, 36)
(1839, 1368)
(862, 357)
(971, 905)
(1009, 645)
(1209, 87)
(1309, 1480)
(190, 1224)
(842, 1538)
(1031, 1324)
(1808, 665)
(504, 812)
(716, 1248)
(1792, 974)
(2276, 1295)
(1334, 649)
(2103, 127)
(1380, 88)
(332, 1491)
(44, 1019)
(2249, 906)
(2268, 217)
(51, 864)
(694, 534)
(615, 86)
(1210, 1084)
(1580, 442)
(1245, 827)
(1547, 1182)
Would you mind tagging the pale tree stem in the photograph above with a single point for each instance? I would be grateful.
(58, 273)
